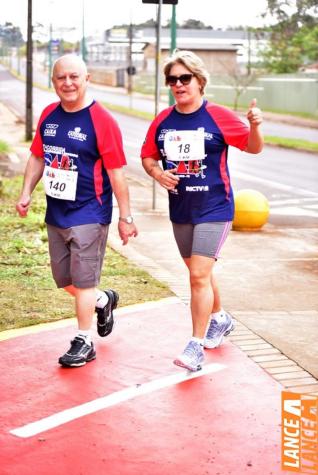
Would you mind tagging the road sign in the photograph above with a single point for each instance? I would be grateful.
(131, 70)
(170, 2)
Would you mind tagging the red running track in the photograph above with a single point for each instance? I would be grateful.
(220, 423)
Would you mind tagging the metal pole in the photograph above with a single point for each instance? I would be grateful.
(130, 64)
(29, 78)
(83, 45)
(249, 51)
(157, 87)
(50, 57)
(173, 43)
(19, 60)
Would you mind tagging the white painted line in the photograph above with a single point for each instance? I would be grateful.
(273, 184)
(76, 412)
(294, 211)
(295, 201)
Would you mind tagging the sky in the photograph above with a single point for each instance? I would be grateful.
(100, 15)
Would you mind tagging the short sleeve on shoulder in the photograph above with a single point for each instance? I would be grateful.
(234, 130)
(108, 136)
(37, 144)
(149, 148)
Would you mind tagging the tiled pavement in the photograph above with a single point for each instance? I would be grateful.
(286, 371)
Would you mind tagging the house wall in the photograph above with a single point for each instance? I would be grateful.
(216, 62)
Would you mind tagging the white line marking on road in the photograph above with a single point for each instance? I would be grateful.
(295, 201)
(273, 184)
(294, 211)
(104, 402)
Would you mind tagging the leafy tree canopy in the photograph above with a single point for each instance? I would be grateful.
(10, 34)
(293, 38)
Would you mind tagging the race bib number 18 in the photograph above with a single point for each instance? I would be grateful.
(184, 145)
(59, 183)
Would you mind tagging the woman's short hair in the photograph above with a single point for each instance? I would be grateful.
(190, 61)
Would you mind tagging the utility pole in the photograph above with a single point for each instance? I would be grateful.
(173, 43)
(49, 47)
(157, 88)
(130, 64)
(29, 78)
(157, 78)
(83, 45)
(249, 51)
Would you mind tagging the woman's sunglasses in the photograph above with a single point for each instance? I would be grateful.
(185, 79)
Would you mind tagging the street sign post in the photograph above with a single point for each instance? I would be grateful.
(168, 2)
(157, 92)
(29, 78)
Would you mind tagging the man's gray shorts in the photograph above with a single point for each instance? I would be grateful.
(77, 254)
(204, 239)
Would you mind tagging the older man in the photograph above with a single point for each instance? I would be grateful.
(78, 151)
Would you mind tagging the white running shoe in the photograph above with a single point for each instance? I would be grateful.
(192, 357)
(217, 330)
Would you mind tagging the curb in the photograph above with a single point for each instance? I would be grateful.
(23, 331)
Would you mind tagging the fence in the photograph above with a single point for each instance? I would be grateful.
(281, 93)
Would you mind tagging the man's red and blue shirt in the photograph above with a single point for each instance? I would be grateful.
(82, 144)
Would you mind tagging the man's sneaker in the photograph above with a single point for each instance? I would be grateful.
(105, 318)
(79, 354)
(217, 330)
(192, 357)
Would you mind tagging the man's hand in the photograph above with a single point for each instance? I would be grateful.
(126, 231)
(23, 205)
(254, 114)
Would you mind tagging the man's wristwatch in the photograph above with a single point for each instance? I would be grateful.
(128, 220)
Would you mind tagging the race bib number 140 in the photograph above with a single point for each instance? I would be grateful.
(59, 183)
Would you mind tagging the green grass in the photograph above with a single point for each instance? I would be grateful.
(297, 144)
(127, 111)
(4, 147)
(28, 294)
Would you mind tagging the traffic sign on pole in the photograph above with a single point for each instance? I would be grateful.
(168, 2)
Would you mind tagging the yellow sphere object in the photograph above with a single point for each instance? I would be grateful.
(251, 210)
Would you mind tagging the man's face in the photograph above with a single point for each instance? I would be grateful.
(70, 80)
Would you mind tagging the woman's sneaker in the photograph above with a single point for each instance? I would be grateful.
(217, 330)
(79, 353)
(192, 357)
(105, 317)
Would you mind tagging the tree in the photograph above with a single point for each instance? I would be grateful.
(11, 35)
(195, 24)
(293, 38)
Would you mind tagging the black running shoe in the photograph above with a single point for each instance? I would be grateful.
(79, 354)
(105, 318)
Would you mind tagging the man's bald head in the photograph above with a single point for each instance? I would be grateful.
(70, 80)
(68, 61)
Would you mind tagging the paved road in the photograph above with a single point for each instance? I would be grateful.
(119, 97)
